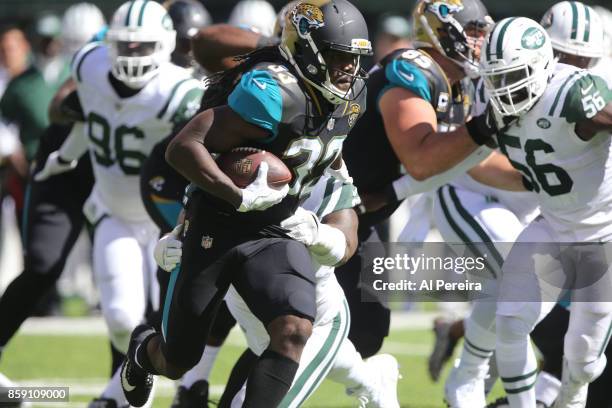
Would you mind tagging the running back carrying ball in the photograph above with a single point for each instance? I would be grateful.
(241, 165)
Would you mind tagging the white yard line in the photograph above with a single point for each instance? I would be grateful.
(94, 326)
(94, 386)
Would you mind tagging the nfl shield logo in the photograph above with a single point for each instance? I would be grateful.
(207, 242)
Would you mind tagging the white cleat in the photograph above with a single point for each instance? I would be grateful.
(382, 392)
(465, 388)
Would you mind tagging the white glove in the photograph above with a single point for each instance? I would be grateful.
(303, 226)
(259, 195)
(53, 166)
(326, 244)
(341, 174)
(169, 249)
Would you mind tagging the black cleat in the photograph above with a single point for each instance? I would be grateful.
(195, 396)
(136, 382)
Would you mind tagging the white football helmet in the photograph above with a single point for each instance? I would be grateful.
(605, 16)
(574, 28)
(141, 37)
(516, 62)
(255, 15)
(80, 23)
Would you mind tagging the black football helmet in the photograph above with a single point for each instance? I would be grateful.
(188, 16)
(456, 28)
(324, 40)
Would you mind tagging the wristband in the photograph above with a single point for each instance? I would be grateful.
(63, 161)
(330, 247)
(475, 131)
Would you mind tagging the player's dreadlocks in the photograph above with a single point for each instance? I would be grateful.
(221, 84)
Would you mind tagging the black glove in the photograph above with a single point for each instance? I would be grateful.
(484, 127)
(481, 128)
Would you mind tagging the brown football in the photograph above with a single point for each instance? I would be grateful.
(242, 163)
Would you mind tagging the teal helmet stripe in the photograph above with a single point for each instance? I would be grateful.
(141, 14)
(574, 34)
(500, 39)
(129, 13)
(587, 24)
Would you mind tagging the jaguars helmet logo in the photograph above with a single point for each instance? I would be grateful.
(307, 17)
(354, 112)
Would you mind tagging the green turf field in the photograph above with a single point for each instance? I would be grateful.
(83, 362)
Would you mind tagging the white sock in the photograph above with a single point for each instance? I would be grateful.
(201, 371)
(547, 388)
(479, 341)
(516, 362)
(114, 391)
(349, 368)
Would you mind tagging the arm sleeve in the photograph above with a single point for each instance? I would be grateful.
(406, 185)
(75, 144)
(258, 100)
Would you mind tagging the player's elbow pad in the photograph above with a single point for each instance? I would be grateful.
(330, 247)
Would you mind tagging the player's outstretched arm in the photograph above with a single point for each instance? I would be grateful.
(496, 171)
(216, 130)
(346, 222)
(65, 107)
(214, 47)
(66, 157)
(331, 241)
(411, 126)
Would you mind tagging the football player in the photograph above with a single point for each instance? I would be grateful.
(53, 212)
(558, 140)
(295, 101)
(583, 48)
(132, 97)
(423, 97)
(330, 206)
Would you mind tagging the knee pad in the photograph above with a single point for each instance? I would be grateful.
(586, 372)
(292, 330)
(512, 328)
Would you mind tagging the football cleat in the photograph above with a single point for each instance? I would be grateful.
(503, 403)
(464, 388)
(382, 392)
(136, 382)
(195, 396)
(573, 394)
(443, 348)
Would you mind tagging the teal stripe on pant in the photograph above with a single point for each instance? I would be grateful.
(168, 300)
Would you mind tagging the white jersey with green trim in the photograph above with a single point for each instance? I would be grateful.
(122, 131)
(572, 177)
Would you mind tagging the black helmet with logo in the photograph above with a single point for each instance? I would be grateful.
(317, 34)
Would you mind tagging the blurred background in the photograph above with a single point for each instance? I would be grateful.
(24, 12)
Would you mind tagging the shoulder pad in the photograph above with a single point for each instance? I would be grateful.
(412, 70)
(257, 98)
(183, 101)
(583, 95)
(79, 58)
